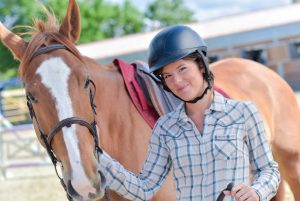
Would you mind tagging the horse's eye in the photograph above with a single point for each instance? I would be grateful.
(86, 84)
(32, 98)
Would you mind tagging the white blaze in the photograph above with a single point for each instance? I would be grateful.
(54, 75)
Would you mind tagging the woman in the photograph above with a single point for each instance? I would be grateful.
(208, 141)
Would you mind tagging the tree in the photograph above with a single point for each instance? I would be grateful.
(167, 12)
(14, 12)
(102, 20)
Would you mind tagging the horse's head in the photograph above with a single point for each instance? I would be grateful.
(60, 99)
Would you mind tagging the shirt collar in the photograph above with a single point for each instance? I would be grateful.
(218, 103)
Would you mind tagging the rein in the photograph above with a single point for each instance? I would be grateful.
(222, 195)
(68, 122)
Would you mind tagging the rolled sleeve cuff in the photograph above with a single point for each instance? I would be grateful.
(264, 192)
(105, 163)
(256, 188)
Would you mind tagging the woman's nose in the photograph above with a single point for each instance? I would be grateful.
(177, 78)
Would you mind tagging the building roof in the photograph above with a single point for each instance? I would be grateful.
(210, 29)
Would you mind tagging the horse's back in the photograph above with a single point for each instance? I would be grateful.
(248, 77)
(248, 80)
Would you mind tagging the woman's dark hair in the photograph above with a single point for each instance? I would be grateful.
(195, 56)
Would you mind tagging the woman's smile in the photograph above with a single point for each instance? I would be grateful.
(183, 90)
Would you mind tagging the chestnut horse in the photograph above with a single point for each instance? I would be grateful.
(60, 85)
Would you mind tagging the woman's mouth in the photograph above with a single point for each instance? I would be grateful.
(182, 89)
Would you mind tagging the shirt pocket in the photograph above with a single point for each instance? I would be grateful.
(178, 131)
(225, 146)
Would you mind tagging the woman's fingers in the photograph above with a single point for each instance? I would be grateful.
(243, 192)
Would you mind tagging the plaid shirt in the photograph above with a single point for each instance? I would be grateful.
(232, 144)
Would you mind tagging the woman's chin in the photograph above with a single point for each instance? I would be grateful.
(184, 94)
(186, 97)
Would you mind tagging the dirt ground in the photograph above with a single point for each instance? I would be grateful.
(46, 188)
(41, 184)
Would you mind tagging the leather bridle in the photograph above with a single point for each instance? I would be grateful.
(47, 138)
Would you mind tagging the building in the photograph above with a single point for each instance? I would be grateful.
(270, 36)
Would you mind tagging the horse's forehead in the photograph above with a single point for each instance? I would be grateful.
(53, 71)
(54, 75)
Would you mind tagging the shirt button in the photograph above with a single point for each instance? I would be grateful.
(184, 120)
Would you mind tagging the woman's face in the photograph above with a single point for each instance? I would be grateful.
(184, 79)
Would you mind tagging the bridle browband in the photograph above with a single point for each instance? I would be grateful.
(48, 48)
(68, 122)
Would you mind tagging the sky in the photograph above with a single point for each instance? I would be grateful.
(210, 9)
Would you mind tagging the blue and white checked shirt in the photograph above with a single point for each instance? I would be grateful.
(232, 144)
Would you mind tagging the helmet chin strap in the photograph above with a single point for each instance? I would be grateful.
(195, 100)
(206, 76)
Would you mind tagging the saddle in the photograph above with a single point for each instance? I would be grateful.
(146, 91)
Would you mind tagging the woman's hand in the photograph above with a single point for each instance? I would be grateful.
(242, 192)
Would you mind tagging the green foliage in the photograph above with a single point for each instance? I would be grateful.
(19, 12)
(100, 19)
(15, 12)
(7, 63)
(167, 12)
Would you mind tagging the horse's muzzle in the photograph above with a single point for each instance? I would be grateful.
(95, 194)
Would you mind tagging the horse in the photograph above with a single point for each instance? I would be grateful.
(80, 106)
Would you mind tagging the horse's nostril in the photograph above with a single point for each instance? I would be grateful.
(92, 196)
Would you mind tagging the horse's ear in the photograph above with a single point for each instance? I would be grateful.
(14, 42)
(71, 24)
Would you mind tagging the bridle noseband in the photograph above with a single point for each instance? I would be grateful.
(68, 122)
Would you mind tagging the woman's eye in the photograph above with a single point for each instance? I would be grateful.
(182, 69)
(166, 76)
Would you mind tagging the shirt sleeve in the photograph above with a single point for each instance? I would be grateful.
(151, 177)
(263, 166)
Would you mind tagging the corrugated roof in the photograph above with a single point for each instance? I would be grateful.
(234, 24)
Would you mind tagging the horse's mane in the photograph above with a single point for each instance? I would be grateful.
(42, 33)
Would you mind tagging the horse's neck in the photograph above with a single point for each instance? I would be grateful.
(112, 100)
(121, 126)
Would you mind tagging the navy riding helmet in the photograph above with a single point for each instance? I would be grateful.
(174, 43)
